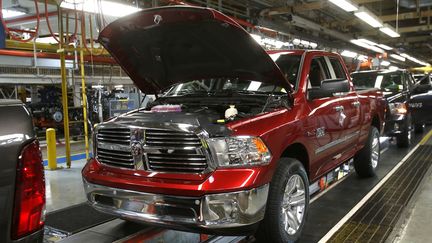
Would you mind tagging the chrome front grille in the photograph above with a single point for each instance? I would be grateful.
(174, 151)
(162, 151)
(113, 147)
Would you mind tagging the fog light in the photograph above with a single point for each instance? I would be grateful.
(236, 208)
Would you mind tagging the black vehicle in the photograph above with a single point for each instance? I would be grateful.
(421, 103)
(398, 87)
(22, 183)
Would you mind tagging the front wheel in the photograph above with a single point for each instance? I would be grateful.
(366, 160)
(287, 203)
(403, 140)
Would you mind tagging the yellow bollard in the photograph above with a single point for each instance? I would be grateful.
(51, 148)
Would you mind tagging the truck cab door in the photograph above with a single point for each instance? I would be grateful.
(322, 124)
(349, 114)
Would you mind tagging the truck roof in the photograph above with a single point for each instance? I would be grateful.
(4, 102)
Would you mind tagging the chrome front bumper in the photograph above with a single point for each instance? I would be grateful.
(212, 211)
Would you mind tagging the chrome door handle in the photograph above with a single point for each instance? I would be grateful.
(356, 104)
(339, 108)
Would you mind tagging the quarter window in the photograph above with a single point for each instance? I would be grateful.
(318, 72)
(338, 68)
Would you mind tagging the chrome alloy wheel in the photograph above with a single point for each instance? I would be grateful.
(375, 151)
(293, 204)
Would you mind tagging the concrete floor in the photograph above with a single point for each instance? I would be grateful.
(64, 187)
(418, 224)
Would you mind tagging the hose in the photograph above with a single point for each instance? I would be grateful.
(9, 32)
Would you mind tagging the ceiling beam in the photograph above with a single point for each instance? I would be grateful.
(409, 15)
(415, 28)
(294, 9)
(366, 1)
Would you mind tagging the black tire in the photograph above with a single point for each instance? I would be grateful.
(271, 228)
(364, 160)
(419, 128)
(403, 140)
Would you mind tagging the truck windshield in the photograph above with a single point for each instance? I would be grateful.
(220, 86)
(384, 81)
(289, 65)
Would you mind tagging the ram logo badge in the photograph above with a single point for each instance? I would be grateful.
(157, 18)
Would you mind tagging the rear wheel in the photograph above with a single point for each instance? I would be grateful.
(419, 128)
(367, 159)
(287, 203)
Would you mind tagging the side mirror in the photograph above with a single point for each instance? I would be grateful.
(328, 88)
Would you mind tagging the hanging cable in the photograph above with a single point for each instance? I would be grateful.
(48, 22)
(9, 32)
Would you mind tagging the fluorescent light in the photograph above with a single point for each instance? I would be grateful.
(9, 13)
(362, 58)
(120, 86)
(385, 47)
(397, 57)
(362, 43)
(413, 59)
(388, 30)
(385, 63)
(108, 8)
(393, 68)
(368, 42)
(368, 17)
(345, 5)
(376, 49)
(304, 43)
(350, 54)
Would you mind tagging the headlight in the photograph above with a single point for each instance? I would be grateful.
(398, 108)
(239, 151)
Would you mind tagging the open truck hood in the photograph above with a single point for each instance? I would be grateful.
(162, 46)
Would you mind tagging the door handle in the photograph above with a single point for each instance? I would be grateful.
(356, 104)
(339, 108)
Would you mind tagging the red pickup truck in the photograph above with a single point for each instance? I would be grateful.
(235, 136)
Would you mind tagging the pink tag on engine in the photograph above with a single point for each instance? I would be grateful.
(166, 108)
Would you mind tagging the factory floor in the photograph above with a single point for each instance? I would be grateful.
(415, 223)
(64, 187)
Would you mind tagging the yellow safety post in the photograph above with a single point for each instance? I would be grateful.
(51, 148)
(84, 100)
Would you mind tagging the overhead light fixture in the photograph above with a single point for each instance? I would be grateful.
(313, 45)
(385, 63)
(393, 68)
(296, 42)
(385, 47)
(349, 54)
(9, 13)
(345, 5)
(413, 59)
(368, 17)
(397, 57)
(388, 30)
(106, 7)
(376, 49)
(362, 57)
(362, 43)
(368, 42)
